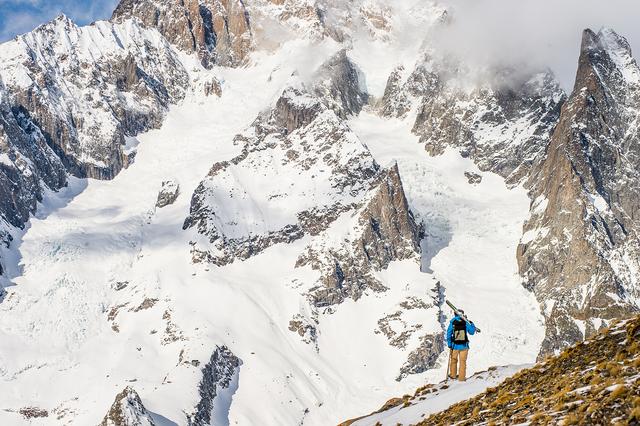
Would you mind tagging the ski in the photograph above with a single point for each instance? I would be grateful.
(460, 314)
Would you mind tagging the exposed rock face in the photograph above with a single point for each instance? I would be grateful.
(218, 31)
(311, 165)
(424, 356)
(212, 87)
(117, 84)
(127, 410)
(580, 253)
(27, 164)
(431, 345)
(390, 231)
(503, 124)
(168, 193)
(403, 90)
(217, 376)
(473, 178)
(33, 412)
(423, 344)
(384, 231)
(306, 328)
(339, 83)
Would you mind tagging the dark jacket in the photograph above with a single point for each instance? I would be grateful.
(471, 329)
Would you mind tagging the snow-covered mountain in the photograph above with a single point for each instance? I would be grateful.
(251, 212)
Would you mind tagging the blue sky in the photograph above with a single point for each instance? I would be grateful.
(20, 16)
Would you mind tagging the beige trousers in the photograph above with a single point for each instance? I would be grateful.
(460, 355)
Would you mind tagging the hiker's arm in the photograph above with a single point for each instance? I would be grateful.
(471, 328)
(450, 335)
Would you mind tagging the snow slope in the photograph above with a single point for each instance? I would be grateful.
(439, 397)
(472, 233)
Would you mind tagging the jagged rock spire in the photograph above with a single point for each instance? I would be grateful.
(385, 230)
(580, 246)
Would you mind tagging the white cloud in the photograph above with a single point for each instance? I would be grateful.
(538, 33)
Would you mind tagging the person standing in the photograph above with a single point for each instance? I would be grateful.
(458, 343)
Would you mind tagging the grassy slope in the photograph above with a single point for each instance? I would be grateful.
(593, 382)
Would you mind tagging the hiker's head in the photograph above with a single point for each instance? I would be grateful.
(461, 311)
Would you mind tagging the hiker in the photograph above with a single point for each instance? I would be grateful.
(458, 343)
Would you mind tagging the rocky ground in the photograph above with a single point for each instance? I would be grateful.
(594, 382)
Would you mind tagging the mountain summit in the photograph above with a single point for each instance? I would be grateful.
(580, 251)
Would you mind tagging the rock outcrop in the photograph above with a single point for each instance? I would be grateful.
(306, 328)
(503, 122)
(217, 376)
(431, 344)
(580, 253)
(168, 194)
(424, 356)
(384, 230)
(310, 165)
(218, 31)
(407, 331)
(127, 410)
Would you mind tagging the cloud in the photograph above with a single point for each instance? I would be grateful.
(540, 33)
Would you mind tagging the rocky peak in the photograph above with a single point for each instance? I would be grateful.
(335, 85)
(70, 97)
(128, 410)
(383, 230)
(310, 151)
(340, 83)
(218, 31)
(296, 108)
(78, 105)
(605, 57)
(61, 24)
(300, 146)
(580, 250)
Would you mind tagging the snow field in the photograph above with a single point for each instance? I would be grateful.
(470, 245)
